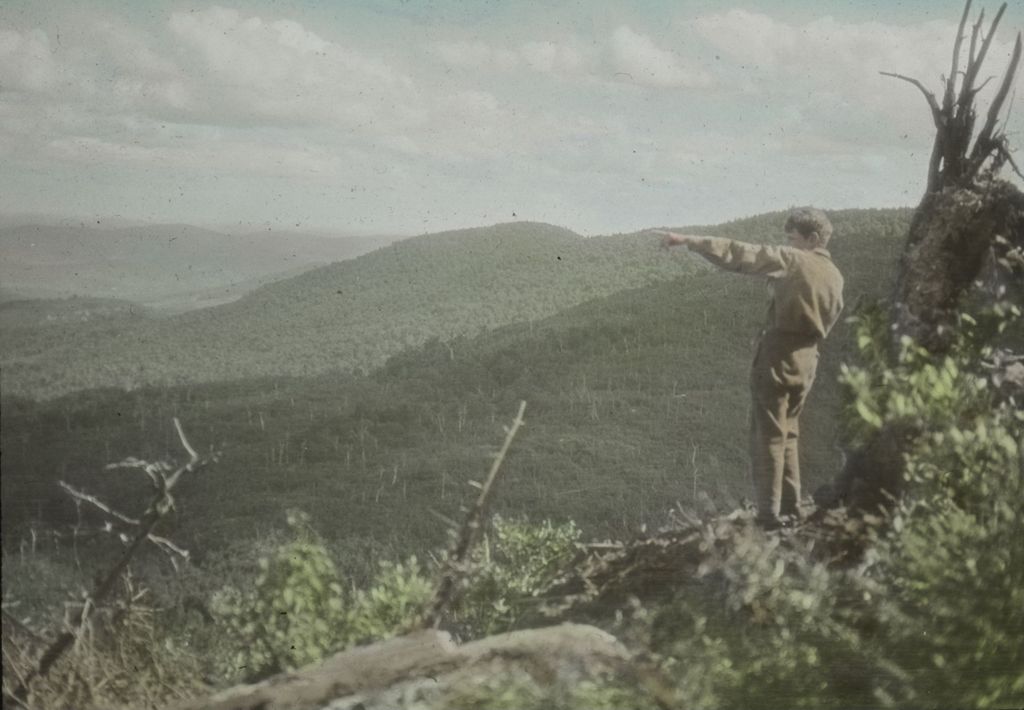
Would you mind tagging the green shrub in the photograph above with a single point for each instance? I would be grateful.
(955, 564)
(953, 560)
(516, 560)
(766, 626)
(294, 614)
(393, 603)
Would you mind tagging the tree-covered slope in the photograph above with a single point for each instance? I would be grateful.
(635, 401)
(354, 314)
(348, 315)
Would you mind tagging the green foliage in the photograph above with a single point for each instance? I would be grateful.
(934, 613)
(634, 403)
(392, 604)
(516, 560)
(769, 627)
(294, 613)
(953, 561)
(919, 390)
(954, 614)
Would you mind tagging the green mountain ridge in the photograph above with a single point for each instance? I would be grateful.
(349, 315)
(636, 400)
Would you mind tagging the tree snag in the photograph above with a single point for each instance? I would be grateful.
(965, 206)
(968, 219)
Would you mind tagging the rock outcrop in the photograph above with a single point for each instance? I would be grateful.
(411, 671)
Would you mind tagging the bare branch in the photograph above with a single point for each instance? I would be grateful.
(974, 38)
(972, 70)
(158, 507)
(984, 144)
(169, 547)
(1009, 158)
(21, 626)
(947, 101)
(132, 462)
(467, 534)
(193, 456)
(929, 96)
(981, 86)
(87, 498)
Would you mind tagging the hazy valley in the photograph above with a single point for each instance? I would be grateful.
(368, 391)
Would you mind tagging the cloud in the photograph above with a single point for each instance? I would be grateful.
(26, 61)
(476, 54)
(552, 57)
(625, 55)
(543, 56)
(635, 56)
(278, 70)
(199, 156)
(839, 58)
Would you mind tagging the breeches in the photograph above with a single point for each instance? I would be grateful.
(779, 388)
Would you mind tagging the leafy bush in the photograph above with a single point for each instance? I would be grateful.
(934, 612)
(516, 560)
(767, 626)
(955, 558)
(294, 614)
(393, 603)
(953, 561)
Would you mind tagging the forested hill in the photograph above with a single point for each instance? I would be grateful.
(354, 314)
(347, 315)
(635, 400)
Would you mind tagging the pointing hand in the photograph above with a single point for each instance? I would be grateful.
(671, 239)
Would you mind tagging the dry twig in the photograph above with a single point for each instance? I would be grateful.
(158, 507)
(468, 532)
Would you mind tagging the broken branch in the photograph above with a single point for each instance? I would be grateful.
(468, 532)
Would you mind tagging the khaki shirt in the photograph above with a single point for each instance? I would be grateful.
(807, 287)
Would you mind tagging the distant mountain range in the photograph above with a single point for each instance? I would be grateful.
(350, 315)
(169, 267)
(347, 315)
(636, 399)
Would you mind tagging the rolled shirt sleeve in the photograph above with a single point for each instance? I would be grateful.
(807, 288)
(742, 257)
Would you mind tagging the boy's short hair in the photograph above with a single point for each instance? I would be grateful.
(810, 222)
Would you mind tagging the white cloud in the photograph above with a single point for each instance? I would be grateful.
(538, 111)
(544, 56)
(626, 56)
(476, 54)
(637, 58)
(278, 70)
(275, 55)
(26, 61)
(199, 156)
(842, 59)
(552, 57)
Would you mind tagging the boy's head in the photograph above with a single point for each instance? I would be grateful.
(811, 225)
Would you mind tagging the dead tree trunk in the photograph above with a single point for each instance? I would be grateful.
(965, 206)
(967, 216)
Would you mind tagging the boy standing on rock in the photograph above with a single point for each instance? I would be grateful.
(807, 297)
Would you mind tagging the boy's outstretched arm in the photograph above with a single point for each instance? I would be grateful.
(731, 254)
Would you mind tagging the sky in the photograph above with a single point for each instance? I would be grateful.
(412, 116)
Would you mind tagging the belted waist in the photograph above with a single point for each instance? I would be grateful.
(777, 345)
(787, 338)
